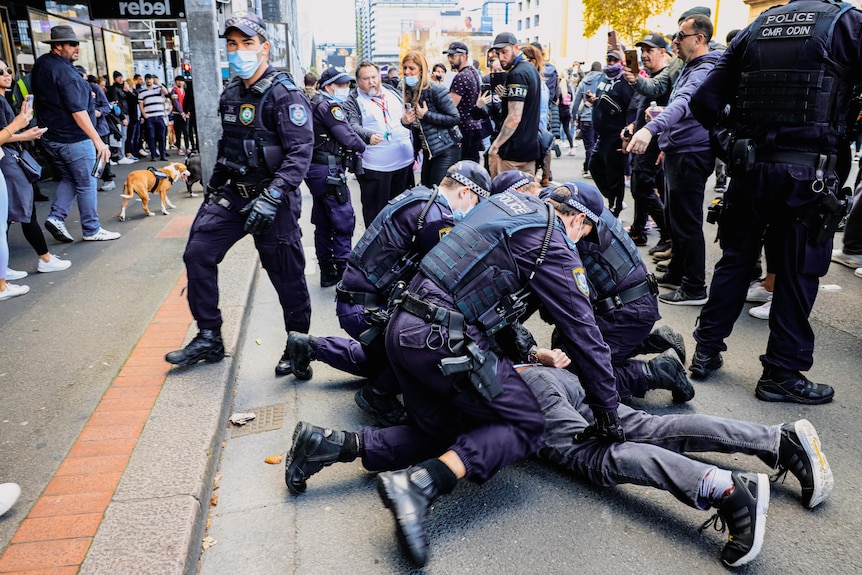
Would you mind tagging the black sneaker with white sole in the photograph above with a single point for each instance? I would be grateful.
(57, 228)
(743, 514)
(683, 297)
(799, 453)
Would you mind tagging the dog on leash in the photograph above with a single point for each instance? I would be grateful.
(152, 180)
(193, 163)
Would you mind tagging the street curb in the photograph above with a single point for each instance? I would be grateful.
(156, 518)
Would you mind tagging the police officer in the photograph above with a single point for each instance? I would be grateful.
(623, 294)
(331, 213)
(463, 400)
(784, 179)
(388, 252)
(263, 155)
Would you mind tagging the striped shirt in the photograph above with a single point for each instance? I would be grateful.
(153, 100)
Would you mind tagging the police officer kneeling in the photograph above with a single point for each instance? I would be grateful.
(263, 155)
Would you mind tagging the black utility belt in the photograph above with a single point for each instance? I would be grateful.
(320, 157)
(809, 159)
(649, 285)
(355, 297)
(428, 311)
(248, 190)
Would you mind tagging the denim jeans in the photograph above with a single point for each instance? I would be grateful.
(653, 452)
(75, 163)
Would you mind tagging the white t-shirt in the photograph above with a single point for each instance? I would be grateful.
(394, 152)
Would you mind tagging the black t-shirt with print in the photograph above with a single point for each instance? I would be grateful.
(523, 85)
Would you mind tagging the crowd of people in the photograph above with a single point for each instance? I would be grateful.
(435, 292)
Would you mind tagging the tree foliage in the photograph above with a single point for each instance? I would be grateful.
(627, 17)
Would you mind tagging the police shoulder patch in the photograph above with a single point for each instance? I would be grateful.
(581, 281)
(337, 113)
(246, 114)
(298, 115)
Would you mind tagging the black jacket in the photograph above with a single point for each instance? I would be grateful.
(439, 126)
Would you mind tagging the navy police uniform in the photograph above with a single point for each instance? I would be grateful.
(465, 292)
(266, 144)
(332, 212)
(789, 141)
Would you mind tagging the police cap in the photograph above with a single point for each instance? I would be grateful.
(246, 22)
(469, 173)
(582, 197)
(333, 75)
(510, 181)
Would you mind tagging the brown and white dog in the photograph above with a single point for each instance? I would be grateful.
(152, 180)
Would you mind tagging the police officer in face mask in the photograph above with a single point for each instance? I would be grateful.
(790, 155)
(263, 155)
(332, 213)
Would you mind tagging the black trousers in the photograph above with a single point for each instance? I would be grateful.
(377, 188)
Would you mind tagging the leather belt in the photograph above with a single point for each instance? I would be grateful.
(424, 310)
(438, 316)
(809, 159)
(320, 157)
(249, 191)
(356, 297)
(629, 295)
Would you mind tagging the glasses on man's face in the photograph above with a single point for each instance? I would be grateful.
(72, 44)
(680, 36)
(7, 71)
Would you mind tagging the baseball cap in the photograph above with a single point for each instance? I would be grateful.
(456, 48)
(694, 11)
(472, 175)
(582, 196)
(504, 39)
(653, 41)
(333, 75)
(510, 181)
(246, 22)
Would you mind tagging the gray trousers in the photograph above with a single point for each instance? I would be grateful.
(652, 453)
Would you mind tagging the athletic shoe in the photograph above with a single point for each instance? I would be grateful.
(113, 163)
(587, 175)
(12, 275)
(54, 264)
(757, 293)
(667, 281)
(661, 246)
(660, 256)
(761, 311)
(57, 228)
(799, 452)
(703, 365)
(661, 267)
(743, 513)
(849, 260)
(791, 387)
(126, 160)
(102, 235)
(9, 493)
(858, 273)
(13, 290)
(108, 186)
(571, 152)
(683, 297)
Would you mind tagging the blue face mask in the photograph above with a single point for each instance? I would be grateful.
(411, 80)
(244, 63)
(458, 214)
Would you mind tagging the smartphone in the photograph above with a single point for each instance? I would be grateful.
(408, 106)
(612, 39)
(485, 88)
(632, 61)
(28, 101)
(497, 79)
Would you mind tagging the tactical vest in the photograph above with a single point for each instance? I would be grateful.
(612, 260)
(383, 254)
(474, 264)
(788, 76)
(323, 140)
(250, 148)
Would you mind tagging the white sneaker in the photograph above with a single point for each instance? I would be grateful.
(13, 290)
(126, 160)
(102, 235)
(849, 260)
(761, 311)
(108, 186)
(858, 273)
(54, 264)
(113, 163)
(13, 275)
(9, 493)
(757, 293)
(571, 152)
(57, 228)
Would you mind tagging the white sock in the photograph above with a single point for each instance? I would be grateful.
(715, 485)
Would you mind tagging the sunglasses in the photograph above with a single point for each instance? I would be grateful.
(72, 44)
(680, 36)
(8, 71)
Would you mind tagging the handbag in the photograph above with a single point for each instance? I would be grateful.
(28, 164)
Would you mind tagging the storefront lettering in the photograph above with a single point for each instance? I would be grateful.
(145, 8)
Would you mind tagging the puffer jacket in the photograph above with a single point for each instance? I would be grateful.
(439, 126)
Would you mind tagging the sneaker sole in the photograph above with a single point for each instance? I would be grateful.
(57, 233)
(705, 372)
(300, 433)
(764, 395)
(700, 301)
(760, 522)
(823, 480)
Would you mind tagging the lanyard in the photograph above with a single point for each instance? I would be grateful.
(381, 103)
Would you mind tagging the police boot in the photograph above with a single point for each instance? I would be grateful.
(663, 338)
(300, 350)
(206, 346)
(314, 448)
(329, 275)
(408, 494)
(668, 372)
(383, 407)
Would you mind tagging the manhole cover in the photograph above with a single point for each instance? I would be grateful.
(268, 418)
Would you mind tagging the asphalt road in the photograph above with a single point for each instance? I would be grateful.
(530, 518)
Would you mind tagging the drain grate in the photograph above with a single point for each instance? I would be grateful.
(269, 418)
